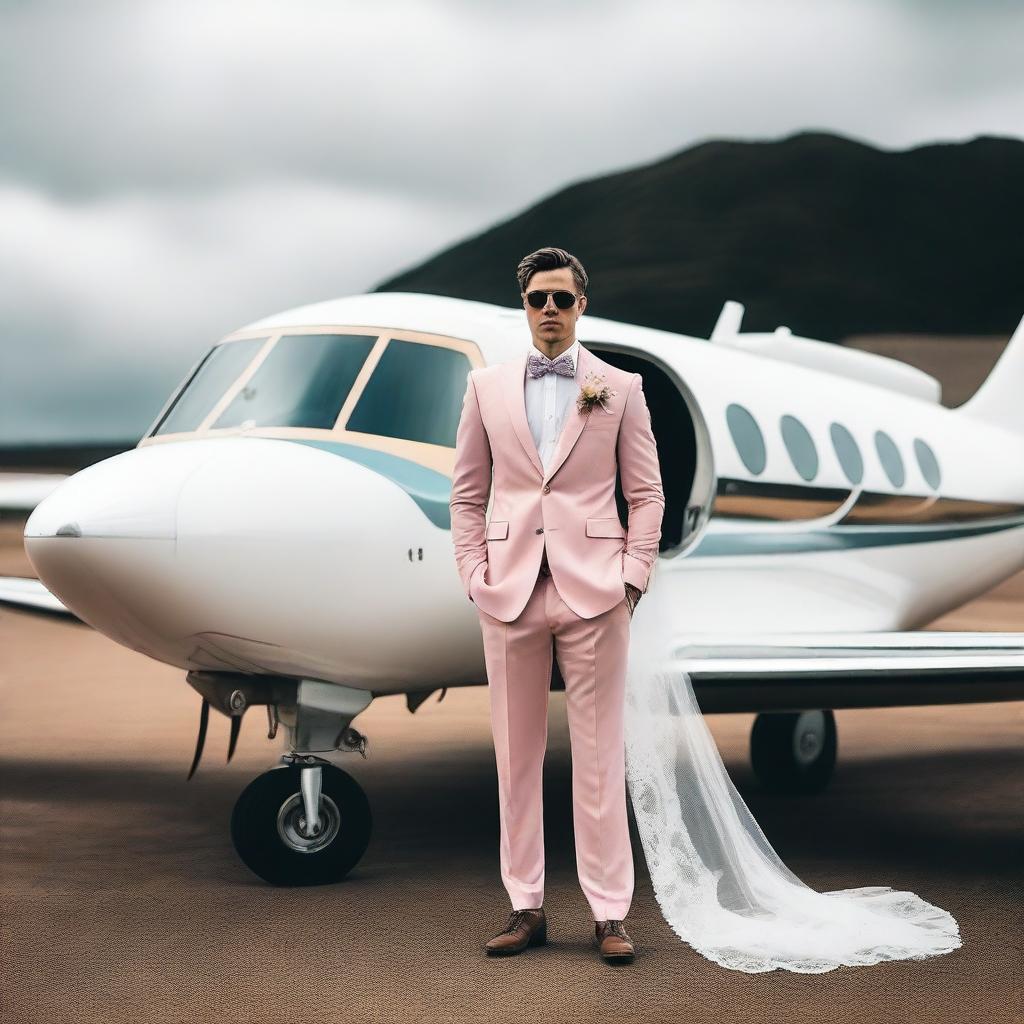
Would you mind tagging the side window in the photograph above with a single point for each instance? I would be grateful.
(928, 463)
(415, 393)
(747, 437)
(890, 458)
(303, 382)
(800, 446)
(215, 374)
(848, 453)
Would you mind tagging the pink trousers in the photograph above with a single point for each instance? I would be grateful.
(592, 657)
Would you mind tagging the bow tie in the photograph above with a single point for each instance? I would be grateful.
(539, 364)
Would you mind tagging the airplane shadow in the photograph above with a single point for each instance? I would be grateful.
(904, 810)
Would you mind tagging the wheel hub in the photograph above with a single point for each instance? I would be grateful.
(291, 825)
(809, 737)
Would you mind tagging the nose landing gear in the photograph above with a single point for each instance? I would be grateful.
(305, 822)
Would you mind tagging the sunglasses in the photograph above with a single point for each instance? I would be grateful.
(563, 300)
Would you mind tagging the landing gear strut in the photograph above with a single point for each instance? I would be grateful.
(305, 822)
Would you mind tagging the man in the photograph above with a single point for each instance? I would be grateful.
(554, 574)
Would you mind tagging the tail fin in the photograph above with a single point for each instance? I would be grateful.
(999, 400)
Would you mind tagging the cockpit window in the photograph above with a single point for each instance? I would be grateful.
(303, 382)
(415, 393)
(218, 370)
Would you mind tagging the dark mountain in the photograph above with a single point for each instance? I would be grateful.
(824, 234)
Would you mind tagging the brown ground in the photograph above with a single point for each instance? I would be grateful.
(123, 900)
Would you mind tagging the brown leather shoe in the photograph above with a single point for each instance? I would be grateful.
(524, 928)
(615, 945)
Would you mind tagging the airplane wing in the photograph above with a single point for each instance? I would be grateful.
(21, 492)
(31, 595)
(804, 671)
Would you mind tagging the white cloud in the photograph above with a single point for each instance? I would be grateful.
(172, 169)
(438, 99)
(107, 303)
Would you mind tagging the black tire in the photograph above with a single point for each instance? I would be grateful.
(262, 827)
(773, 753)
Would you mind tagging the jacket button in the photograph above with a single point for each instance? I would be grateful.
(547, 488)
(540, 529)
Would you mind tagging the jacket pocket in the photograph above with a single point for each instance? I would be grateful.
(605, 527)
(497, 530)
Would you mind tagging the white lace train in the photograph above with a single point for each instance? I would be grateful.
(719, 884)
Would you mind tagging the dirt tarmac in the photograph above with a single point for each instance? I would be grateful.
(123, 899)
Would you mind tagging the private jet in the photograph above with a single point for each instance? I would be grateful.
(282, 534)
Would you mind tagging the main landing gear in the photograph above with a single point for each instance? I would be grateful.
(794, 751)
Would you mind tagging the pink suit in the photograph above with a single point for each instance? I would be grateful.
(579, 609)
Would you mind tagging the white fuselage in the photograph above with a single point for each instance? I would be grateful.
(325, 553)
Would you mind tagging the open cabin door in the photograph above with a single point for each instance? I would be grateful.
(684, 448)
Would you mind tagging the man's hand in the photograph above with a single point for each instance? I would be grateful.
(633, 595)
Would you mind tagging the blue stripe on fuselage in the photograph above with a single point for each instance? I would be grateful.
(840, 538)
(428, 488)
(432, 492)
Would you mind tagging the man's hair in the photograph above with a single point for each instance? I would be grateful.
(550, 258)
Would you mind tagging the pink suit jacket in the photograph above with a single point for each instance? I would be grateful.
(570, 509)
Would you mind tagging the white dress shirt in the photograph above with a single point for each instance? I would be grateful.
(548, 400)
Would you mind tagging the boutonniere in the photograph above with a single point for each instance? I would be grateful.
(594, 391)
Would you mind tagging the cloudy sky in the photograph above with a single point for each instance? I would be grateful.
(170, 171)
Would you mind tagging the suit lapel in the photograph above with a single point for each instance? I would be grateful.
(514, 390)
(515, 400)
(575, 421)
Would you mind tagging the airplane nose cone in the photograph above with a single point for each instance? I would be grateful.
(248, 554)
(104, 539)
(132, 495)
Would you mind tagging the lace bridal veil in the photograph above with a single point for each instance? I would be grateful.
(719, 884)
